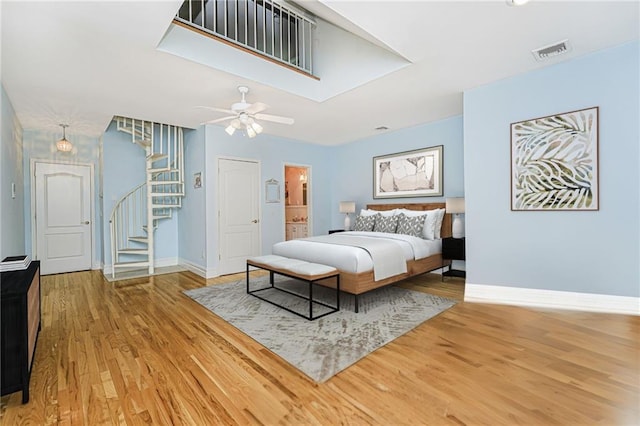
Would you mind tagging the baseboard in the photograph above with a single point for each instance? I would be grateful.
(196, 269)
(551, 299)
(212, 273)
(159, 263)
(199, 270)
(166, 261)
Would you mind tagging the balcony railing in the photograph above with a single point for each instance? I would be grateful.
(271, 29)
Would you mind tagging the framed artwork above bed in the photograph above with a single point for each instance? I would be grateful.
(415, 173)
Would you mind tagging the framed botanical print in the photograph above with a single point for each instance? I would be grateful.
(554, 162)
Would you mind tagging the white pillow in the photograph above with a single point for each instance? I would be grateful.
(428, 229)
(412, 213)
(366, 212)
(438, 229)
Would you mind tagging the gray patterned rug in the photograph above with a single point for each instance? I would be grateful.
(326, 346)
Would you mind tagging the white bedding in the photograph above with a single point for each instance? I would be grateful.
(354, 259)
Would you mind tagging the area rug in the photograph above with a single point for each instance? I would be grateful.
(326, 346)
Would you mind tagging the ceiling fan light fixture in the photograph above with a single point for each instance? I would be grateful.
(256, 127)
(243, 116)
(63, 145)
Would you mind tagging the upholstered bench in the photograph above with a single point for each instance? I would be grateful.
(299, 269)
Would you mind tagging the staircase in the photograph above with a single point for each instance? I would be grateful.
(132, 242)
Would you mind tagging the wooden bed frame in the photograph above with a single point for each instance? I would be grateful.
(362, 282)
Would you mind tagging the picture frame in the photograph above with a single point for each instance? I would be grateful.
(554, 162)
(272, 191)
(417, 173)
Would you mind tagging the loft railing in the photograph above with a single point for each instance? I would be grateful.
(271, 29)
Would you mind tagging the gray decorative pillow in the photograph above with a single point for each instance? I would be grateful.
(386, 223)
(364, 223)
(410, 225)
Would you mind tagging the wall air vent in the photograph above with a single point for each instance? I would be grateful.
(555, 49)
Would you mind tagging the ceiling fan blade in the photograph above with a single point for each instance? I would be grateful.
(275, 118)
(219, 120)
(228, 111)
(256, 108)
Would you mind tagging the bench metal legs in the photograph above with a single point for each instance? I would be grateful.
(310, 299)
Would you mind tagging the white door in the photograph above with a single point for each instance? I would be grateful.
(239, 218)
(63, 217)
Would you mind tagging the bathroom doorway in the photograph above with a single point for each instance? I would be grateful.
(297, 201)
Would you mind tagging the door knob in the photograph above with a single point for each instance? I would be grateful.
(254, 221)
(86, 222)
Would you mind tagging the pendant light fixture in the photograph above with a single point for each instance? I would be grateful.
(63, 145)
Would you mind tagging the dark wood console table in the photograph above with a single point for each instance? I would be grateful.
(20, 326)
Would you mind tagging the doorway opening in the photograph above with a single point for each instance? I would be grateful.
(297, 201)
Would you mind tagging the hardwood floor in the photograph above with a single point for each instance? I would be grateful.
(139, 351)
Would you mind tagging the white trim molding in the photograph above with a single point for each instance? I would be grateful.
(199, 270)
(159, 263)
(553, 299)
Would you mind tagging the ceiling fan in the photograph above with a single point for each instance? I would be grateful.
(244, 115)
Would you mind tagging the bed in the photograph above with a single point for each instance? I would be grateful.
(356, 266)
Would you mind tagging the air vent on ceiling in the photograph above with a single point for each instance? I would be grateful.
(555, 49)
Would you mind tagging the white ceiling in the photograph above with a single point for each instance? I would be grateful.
(84, 62)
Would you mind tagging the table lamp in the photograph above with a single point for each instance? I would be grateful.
(347, 207)
(455, 206)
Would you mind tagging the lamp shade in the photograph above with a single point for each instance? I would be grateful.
(454, 205)
(347, 206)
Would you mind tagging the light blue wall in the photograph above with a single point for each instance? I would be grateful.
(40, 145)
(587, 252)
(11, 171)
(124, 169)
(354, 164)
(273, 153)
(337, 173)
(193, 214)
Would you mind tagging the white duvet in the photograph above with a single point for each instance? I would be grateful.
(354, 259)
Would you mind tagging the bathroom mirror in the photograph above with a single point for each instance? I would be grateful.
(272, 191)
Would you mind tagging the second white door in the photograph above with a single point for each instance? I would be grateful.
(239, 218)
(63, 217)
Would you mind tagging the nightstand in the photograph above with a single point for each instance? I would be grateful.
(453, 249)
(333, 231)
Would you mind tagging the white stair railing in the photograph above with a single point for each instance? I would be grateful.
(273, 29)
(152, 200)
(128, 219)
